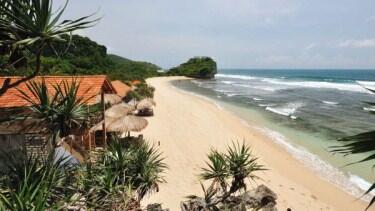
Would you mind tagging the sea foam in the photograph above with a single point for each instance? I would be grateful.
(330, 102)
(350, 183)
(286, 110)
(352, 87)
(243, 77)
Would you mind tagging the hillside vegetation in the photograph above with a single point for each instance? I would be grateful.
(81, 56)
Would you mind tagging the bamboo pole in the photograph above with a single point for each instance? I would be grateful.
(104, 128)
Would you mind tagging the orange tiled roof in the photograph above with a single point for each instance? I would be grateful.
(90, 85)
(121, 88)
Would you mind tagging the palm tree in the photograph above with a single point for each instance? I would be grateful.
(363, 143)
(28, 26)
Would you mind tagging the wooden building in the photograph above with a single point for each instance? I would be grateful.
(13, 138)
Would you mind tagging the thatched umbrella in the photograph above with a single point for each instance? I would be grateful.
(109, 98)
(119, 110)
(123, 124)
(128, 123)
(147, 103)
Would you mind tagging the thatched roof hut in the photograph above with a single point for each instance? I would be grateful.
(109, 98)
(128, 123)
(123, 124)
(147, 103)
(119, 110)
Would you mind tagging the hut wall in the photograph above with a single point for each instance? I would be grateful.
(36, 146)
(12, 147)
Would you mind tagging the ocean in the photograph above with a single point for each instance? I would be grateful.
(304, 111)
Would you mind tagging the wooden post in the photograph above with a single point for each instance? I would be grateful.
(89, 142)
(104, 128)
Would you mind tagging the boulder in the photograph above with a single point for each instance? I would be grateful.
(155, 207)
(262, 197)
(195, 204)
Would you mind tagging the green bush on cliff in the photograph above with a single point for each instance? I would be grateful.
(197, 67)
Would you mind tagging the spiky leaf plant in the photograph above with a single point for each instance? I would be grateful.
(363, 143)
(229, 169)
(139, 166)
(58, 111)
(36, 184)
(28, 26)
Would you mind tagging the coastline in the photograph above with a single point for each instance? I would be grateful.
(187, 127)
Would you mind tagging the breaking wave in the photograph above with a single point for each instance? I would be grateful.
(286, 110)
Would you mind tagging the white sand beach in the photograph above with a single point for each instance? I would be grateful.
(188, 126)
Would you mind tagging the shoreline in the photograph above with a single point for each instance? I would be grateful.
(187, 126)
(350, 183)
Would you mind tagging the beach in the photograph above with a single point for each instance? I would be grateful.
(187, 127)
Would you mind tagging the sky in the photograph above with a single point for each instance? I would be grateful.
(236, 33)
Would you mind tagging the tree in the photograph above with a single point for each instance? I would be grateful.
(27, 27)
(363, 143)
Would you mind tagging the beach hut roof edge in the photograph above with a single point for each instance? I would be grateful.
(90, 86)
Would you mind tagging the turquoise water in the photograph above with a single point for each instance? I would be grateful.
(304, 111)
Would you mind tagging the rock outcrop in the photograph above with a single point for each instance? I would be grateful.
(197, 67)
(261, 198)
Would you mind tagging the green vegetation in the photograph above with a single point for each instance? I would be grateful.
(27, 27)
(197, 67)
(58, 111)
(139, 165)
(227, 173)
(141, 92)
(126, 69)
(363, 143)
(33, 41)
(108, 184)
(78, 55)
(35, 184)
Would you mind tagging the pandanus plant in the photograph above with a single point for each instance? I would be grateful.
(59, 110)
(363, 143)
(35, 184)
(27, 27)
(228, 172)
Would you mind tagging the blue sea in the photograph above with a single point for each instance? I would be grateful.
(304, 111)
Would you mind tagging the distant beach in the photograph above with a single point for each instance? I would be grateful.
(188, 125)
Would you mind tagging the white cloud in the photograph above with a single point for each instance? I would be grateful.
(80, 32)
(364, 43)
(371, 19)
(310, 46)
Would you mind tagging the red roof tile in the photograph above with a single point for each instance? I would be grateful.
(90, 85)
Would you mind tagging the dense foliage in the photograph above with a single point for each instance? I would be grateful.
(27, 27)
(117, 181)
(142, 91)
(77, 55)
(36, 184)
(197, 67)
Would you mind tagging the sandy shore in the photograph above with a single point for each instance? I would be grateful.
(188, 126)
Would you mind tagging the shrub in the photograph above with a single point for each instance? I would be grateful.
(227, 173)
(35, 184)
